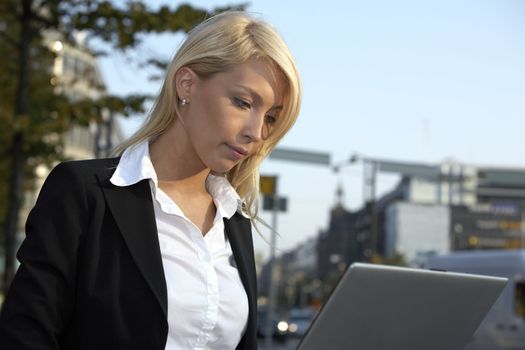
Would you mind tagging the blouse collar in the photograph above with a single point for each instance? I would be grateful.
(135, 165)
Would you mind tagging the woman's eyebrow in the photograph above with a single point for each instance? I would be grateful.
(256, 96)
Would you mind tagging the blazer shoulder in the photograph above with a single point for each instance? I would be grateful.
(90, 165)
(85, 168)
(75, 177)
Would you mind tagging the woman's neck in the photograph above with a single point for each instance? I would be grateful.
(176, 163)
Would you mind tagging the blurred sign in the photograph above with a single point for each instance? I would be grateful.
(294, 155)
(267, 185)
(486, 226)
(504, 209)
(409, 169)
(268, 203)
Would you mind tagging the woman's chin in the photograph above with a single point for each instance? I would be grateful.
(222, 169)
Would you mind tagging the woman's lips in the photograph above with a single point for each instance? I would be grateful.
(238, 152)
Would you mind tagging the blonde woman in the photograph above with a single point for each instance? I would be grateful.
(153, 249)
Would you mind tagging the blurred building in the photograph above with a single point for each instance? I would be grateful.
(451, 206)
(416, 230)
(295, 271)
(336, 244)
(76, 74)
(433, 209)
(497, 218)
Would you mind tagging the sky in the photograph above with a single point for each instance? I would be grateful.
(406, 80)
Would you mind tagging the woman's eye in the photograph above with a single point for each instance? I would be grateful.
(241, 103)
(270, 119)
(269, 123)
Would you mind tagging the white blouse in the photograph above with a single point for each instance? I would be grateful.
(207, 303)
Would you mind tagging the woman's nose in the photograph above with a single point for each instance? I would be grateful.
(254, 128)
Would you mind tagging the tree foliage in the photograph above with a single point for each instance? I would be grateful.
(33, 113)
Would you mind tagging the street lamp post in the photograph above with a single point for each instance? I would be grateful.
(272, 201)
(371, 181)
(268, 344)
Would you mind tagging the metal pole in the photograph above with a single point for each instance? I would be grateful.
(366, 181)
(450, 181)
(461, 184)
(268, 344)
(374, 224)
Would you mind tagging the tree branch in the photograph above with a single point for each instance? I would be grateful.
(46, 22)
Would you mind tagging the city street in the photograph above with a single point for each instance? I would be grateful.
(289, 344)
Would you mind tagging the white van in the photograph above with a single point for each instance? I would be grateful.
(504, 326)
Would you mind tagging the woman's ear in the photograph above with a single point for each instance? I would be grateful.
(184, 81)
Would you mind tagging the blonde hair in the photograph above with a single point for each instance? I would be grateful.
(216, 45)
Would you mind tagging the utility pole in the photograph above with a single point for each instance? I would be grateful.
(272, 201)
(268, 344)
(371, 168)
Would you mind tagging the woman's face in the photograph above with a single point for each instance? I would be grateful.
(230, 114)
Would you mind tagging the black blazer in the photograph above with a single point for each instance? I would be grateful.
(91, 274)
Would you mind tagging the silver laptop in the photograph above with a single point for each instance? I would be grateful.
(378, 307)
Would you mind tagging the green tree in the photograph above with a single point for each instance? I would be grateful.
(31, 110)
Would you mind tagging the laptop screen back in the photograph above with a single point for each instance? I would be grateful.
(377, 307)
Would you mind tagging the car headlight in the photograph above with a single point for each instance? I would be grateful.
(292, 327)
(282, 326)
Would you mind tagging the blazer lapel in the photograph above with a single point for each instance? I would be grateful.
(238, 231)
(132, 209)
